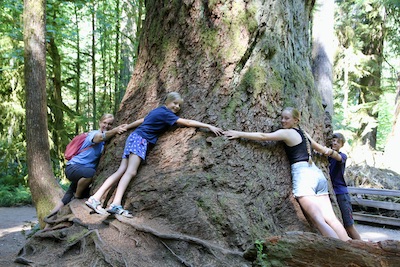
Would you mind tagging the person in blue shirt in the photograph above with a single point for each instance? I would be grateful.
(337, 165)
(81, 168)
(151, 127)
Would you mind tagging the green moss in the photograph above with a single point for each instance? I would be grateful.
(237, 18)
(77, 236)
(299, 81)
(211, 209)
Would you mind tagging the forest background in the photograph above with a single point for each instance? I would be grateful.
(91, 53)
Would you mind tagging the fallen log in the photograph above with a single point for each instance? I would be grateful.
(309, 249)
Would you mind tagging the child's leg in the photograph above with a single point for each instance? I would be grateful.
(133, 165)
(352, 232)
(330, 217)
(110, 181)
(311, 206)
(83, 184)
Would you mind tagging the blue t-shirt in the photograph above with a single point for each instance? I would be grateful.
(90, 157)
(336, 171)
(155, 123)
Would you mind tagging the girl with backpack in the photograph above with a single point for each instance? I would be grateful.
(82, 165)
(153, 125)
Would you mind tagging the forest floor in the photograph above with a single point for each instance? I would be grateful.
(17, 222)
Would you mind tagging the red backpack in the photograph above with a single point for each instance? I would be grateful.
(74, 147)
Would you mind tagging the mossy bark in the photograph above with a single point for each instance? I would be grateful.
(237, 64)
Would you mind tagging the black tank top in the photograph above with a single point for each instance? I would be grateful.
(298, 152)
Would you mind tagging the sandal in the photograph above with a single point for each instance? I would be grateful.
(117, 209)
(95, 205)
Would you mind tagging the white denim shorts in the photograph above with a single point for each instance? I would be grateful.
(308, 180)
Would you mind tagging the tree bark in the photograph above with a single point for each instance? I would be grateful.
(44, 189)
(201, 200)
(311, 250)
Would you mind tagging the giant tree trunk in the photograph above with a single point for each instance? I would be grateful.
(45, 190)
(201, 200)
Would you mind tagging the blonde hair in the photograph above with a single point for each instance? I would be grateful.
(106, 116)
(172, 96)
(296, 115)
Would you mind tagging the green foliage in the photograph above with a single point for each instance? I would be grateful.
(69, 38)
(262, 259)
(14, 196)
(364, 76)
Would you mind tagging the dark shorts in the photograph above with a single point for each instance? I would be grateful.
(135, 144)
(74, 173)
(346, 209)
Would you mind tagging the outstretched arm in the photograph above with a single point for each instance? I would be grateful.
(100, 137)
(192, 123)
(324, 150)
(134, 124)
(279, 135)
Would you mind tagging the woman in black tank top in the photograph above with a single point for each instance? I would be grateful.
(306, 177)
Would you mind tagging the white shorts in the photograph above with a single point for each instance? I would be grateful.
(308, 180)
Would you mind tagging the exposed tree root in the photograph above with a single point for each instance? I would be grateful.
(177, 256)
(209, 246)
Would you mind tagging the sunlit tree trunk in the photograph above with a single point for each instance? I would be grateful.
(323, 51)
(44, 189)
(392, 147)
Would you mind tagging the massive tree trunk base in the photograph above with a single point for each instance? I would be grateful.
(75, 237)
(308, 249)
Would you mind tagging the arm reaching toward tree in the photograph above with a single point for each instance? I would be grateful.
(192, 123)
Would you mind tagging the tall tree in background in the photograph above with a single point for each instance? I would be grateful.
(43, 185)
(393, 145)
(93, 60)
(323, 51)
(366, 67)
(370, 89)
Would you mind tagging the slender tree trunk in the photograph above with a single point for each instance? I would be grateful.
(56, 98)
(93, 56)
(44, 189)
(78, 69)
(117, 57)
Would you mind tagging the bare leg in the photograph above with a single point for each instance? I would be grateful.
(352, 232)
(83, 184)
(319, 209)
(133, 165)
(110, 181)
(330, 217)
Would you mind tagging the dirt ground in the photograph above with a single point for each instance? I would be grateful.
(17, 222)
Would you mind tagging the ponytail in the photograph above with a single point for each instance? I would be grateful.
(310, 161)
